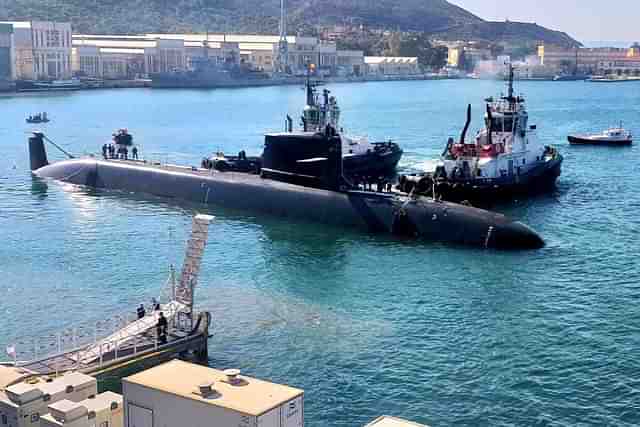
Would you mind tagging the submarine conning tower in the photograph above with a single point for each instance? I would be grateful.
(37, 152)
(312, 159)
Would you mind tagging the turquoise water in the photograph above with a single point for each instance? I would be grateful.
(367, 325)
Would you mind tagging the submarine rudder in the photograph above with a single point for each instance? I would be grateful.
(37, 152)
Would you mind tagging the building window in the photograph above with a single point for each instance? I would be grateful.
(104, 424)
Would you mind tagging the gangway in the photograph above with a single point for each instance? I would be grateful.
(128, 337)
(129, 333)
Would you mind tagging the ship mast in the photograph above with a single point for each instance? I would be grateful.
(282, 57)
(510, 96)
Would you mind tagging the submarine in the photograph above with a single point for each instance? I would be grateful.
(300, 178)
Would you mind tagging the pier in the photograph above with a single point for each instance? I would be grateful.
(126, 343)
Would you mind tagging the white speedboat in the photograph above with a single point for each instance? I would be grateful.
(612, 136)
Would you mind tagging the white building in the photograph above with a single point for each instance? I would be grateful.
(391, 65)
(166, 52)
(180, 394)
(351, 62)
(42, 50)
(102, 410)
(7, 53)
(629, 66)
(24, 401)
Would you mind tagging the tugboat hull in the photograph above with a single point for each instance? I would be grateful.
(373, 164)
(482, 191)
(578, 140)
(538, 180)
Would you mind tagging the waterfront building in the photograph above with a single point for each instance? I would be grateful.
(42, 50)
(582, 60)
(391, 65)
(466, 54)
(629, 66)
(126, 57)
(167, 52)
(7, 56)
(350, 63)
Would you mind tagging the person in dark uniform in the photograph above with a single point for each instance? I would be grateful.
(104, 150)
(125, 152)
(141, 311)
(134, 153)
(161, 328)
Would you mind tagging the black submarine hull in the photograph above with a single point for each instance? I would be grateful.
(378, 212)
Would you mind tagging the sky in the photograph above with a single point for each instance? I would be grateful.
(584, 20)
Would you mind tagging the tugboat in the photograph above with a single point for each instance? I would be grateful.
(38, 118)
(613, 136)
(505, 159)
(360, 157)
(364, 160)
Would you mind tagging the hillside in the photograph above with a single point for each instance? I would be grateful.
(260, 16)
(514, 32)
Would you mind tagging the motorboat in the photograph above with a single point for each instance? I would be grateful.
(38, 118)
(611, 136)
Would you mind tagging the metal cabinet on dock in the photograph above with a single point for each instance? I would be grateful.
(386, 421)
(22, 404)
(179, 394)
(103, 410)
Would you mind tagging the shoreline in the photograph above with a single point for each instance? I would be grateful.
(147, 83)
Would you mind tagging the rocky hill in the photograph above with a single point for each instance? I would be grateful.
(261, 16)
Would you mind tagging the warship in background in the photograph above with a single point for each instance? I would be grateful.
(207, 73)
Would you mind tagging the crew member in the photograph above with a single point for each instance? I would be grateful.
(134, 153)
(161, 328)
(104, 150)
(125, 153)
(141, 311)
(155, 304)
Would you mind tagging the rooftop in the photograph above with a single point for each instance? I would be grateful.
(18, 24)
(251, 396)
(390, 60)
(386, 421)
(11, 375)
(102, 401)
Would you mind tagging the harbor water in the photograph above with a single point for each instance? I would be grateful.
(365, 324)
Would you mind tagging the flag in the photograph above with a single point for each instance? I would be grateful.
(11, 351)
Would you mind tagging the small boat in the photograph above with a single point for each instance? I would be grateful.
(571, 77)
(47, 85)
(38, 118)
(612, 136)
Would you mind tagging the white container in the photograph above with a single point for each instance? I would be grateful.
(22, 404)
(104, 409)
(386, 421)
(179, 394)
